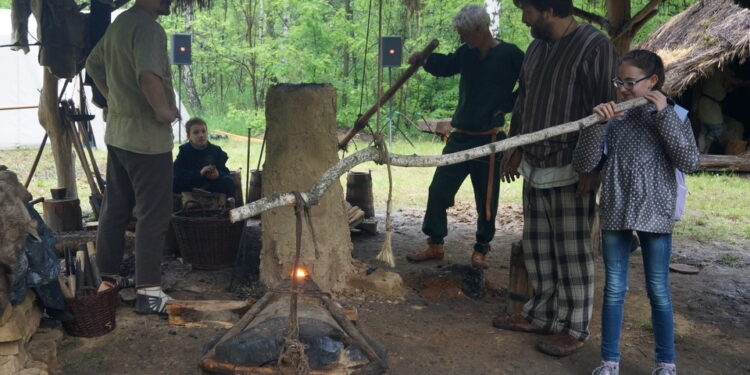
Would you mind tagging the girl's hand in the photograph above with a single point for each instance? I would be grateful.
(607, 111)
(656, 97)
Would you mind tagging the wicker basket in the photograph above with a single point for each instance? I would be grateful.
(206, 238)
(94, 313)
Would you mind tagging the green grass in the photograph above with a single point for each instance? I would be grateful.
(717, 208)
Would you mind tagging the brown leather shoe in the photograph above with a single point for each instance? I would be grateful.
(559, 345)
(478, 260)
(432, 251)
(516, 323)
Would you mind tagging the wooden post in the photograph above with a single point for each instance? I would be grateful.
(519, 287)
(301, 145)
(49, 117)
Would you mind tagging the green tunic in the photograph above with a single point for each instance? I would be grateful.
(486, 86)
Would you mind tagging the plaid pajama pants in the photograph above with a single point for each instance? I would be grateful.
(558, 257)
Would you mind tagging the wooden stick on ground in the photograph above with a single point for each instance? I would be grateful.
(313, 195)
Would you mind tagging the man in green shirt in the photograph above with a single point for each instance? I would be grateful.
(130, 67)
(489, 70)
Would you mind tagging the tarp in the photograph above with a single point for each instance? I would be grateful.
(21, 82)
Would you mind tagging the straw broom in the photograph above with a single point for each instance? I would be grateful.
(386, 252)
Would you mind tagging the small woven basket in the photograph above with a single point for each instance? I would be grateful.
(206, 238)
(94, 313)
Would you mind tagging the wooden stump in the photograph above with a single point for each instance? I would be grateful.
(519, 287)
(300, 145)
(254, 192)
(359, 192)
(237, 178)
(63, 215)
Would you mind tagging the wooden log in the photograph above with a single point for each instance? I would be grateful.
(369, 225)
(221, 313)
(356, 218)
(313, 195)
(725, 163)
(63, 215)
(519, 287)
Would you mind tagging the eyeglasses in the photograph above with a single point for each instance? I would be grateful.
(617, 82)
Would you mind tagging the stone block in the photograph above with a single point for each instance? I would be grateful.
(13, 329)
(5, 316)
(23, 322)
(380, 282)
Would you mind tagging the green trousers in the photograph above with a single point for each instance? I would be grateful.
(448, 179)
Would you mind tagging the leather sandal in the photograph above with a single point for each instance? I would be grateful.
(478, 261)
(432, 251)
(516, 323)
(559, 345)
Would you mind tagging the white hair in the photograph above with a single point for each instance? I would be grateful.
(471, 17)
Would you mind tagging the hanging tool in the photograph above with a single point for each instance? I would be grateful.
(84, 125)
(66, 113)
(36, 161)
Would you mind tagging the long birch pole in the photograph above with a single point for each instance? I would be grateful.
(374, 154)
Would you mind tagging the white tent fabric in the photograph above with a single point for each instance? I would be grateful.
(21, 80)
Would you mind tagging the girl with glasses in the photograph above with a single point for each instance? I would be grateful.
(642, 150)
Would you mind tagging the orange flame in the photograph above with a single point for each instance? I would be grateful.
(300, 273)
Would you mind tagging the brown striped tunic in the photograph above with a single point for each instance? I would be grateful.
(562, 81)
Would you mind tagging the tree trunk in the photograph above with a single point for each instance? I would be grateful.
(346, 54)
(301, 121)
(618, 13)
(187, 71)
(49, 118)
(619, 25)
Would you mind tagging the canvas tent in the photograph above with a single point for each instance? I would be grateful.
(21, 77)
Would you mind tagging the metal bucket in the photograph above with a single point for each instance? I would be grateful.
(359, 192)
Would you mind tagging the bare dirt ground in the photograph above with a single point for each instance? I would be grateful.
(454, 335)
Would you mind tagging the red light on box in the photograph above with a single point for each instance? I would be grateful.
(392, 51)
(182, 49)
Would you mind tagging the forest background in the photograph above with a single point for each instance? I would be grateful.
(241, 47)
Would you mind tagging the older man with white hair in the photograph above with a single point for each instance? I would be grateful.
(489, 70)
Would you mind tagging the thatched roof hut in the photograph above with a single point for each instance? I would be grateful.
(709, 35)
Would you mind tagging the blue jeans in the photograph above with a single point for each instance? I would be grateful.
(656, 249)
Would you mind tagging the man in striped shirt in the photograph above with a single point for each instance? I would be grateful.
(566, 72)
